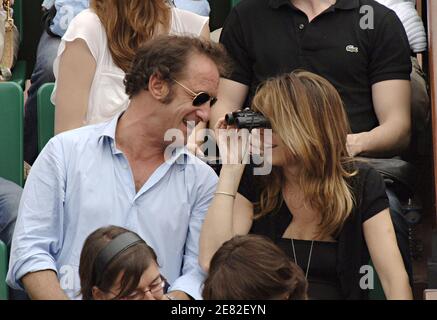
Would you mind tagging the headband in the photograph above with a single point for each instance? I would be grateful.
(114, 248)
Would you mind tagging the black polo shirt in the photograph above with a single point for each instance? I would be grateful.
(271, 37)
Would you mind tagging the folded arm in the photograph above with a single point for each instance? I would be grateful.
(391, 101)
(43, 285)
(231, 96)
(39, 228)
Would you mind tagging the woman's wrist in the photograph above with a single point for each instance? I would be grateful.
(230, 177)
(234, 168)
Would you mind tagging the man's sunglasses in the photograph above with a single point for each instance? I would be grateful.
(198, 98)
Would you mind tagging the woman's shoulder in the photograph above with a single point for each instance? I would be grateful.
(362, 166)
(369, 190)
(186, 22)
(88, 27)
(88, 17)
(365, 171)
(85, 24)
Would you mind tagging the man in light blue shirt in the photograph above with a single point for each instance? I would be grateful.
(116, 173)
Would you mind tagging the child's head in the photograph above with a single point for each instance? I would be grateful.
(253, 268)
(116, 263)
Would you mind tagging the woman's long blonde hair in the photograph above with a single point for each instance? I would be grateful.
(130, 23)
(307, 113)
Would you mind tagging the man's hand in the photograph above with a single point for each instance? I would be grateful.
(354, 144)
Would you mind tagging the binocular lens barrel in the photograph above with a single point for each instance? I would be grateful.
(230, 119)
(247, 119)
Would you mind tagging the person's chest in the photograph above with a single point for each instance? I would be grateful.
(101, 191)
(332, 45)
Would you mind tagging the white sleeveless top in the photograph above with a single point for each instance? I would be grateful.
(107, 95)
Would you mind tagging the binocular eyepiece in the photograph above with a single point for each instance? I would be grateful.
(247, 119)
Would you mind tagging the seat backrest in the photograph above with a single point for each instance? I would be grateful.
(46, 115)
(3, 271)
(11, 132)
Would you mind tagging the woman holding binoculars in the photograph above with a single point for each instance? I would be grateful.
(326, 211)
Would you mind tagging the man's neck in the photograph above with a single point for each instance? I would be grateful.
(312, 8)
(136, 138)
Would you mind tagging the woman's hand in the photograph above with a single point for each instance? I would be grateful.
(194, 146)
(233, 144)
(196, 139)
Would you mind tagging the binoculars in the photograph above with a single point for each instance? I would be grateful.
(247, 119)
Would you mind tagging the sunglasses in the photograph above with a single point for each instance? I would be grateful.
(198, 98)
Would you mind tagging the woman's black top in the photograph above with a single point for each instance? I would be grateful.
(350, 252)
(323, 282)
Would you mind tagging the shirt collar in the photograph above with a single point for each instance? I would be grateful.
(177, 154)
(109, 131)
(340, 4)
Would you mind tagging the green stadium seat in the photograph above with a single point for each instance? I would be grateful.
(234, 2)
(3, 271)
(46, 115)
(19, 73)
(11, 132)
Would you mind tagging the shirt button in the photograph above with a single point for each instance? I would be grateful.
(301, 26)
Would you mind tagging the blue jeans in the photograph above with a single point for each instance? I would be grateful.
(10, 195)
(197, 6)
(42, 73)
(401, 230)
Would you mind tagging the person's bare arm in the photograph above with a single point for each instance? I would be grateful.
(229, 213)
(77, 67)
(43, 285)
(231, 97)
(226, 217)
(391, 101)
(386, 257)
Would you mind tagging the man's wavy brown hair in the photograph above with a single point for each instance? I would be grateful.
(130, 23)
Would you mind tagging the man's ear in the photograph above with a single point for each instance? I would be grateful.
(158, 87)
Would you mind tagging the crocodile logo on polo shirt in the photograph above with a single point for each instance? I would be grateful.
(352, 48)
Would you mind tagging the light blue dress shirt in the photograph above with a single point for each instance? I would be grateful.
(48, 3)
(81, 182)
(200, 7)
